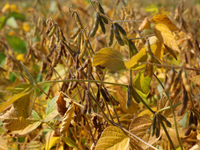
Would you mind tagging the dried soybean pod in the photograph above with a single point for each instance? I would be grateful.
(117, 35)
(83, 50)
(153, 126)
(157, 126)
(177, 90)
(132, 47)
(52, 30)
(105, 20)
(170, 80)
(184, 101)
(176, 81)
(103, 93)
(121, 30)
(78, 21)
(79, 38)
(96, 25)
(185, 82)
(75, 34)
(165, 120)
(129, 96)
(111, 35)
(103, 29)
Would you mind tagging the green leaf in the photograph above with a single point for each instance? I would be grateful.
(17, 16)
(113, 138)
(133, 64)
(12, 77)
(142, 83)
(51, 110)
(2, 59)
(109, 58)
(153, 8)
(17, 44)
(2, 21)
(69, 142)
(35, 115)
(24, 105)
(30, 78)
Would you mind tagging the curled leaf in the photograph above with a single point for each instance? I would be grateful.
(61, 105)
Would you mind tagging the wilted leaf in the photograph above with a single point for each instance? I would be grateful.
(2, 21)
(51, 110)
(23, 106)
(195, 79)
(121, 98)
(61, 105)
(164, 102)
(139, 127)
(163, 33)
(113, 138)
(109, 58)
(144, 25)
(11, 122)
(17, 44)
(162, 19)
(66, 119)
(133, 64)
(141, 82)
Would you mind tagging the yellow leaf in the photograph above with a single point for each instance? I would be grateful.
(163, 33)
(195, 79)
(5, 8)
(162, 19)
(52, 142)
(139, 127)
(133, 64)
(13, 8)
(153, 8)
(66, 119)
(26, 27)
(20, 57)
(147, 112)
(109, 58)
(113, 138)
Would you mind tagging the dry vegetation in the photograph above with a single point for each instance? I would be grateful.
(100, 75)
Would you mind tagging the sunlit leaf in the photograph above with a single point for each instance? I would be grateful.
(162, 19)
(113, 138)
(139, 127)
(163, 33)
(52, 142)
(144, 25)
(12, 22)
(51, 110)
(23, 106)
(141, 82)
(17, 44)
(147, 112)
(133, 64)
(109, 58)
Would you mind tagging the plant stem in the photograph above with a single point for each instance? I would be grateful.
(176, 128)
(80, 80)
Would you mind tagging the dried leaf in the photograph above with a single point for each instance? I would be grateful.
(162, 19)
(66, 119)
(144, 25)
(3, 145)
(163, 33)
(139, 127)
(195, 79)
(121, 98)
(113, 138)
(109, 58)
(61, 105)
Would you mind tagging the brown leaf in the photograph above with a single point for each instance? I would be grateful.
(139, 127)
(66, 119)
(121, 98)
(61, 105)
